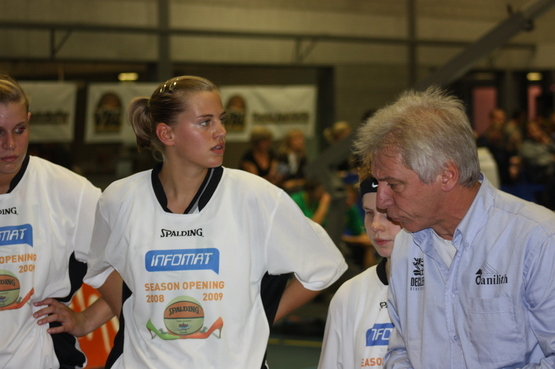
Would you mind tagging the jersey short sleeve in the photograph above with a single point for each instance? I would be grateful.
(85, 221)
(296, 243)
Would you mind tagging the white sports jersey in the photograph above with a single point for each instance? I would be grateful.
(46, 220)
(195, 278)
(358, 325)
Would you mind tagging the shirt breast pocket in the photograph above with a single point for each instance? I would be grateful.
(495, 338)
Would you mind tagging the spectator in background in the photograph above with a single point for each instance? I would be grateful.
(538, 160)
(334, 134)
(292, 161)
(496, 139)
(337, 132)
(314, 202)
(538, 153)
(260, 159)
(514, 130)
(550, 126)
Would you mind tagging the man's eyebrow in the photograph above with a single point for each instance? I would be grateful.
(388, 179)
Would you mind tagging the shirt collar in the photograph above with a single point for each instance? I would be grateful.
(473, 221)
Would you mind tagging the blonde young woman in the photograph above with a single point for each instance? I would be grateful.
(47, 215)
(193, 241)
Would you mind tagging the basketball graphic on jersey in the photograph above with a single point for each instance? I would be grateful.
(183, 316)
(9, 288)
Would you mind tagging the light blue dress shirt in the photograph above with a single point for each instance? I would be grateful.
(494, 307)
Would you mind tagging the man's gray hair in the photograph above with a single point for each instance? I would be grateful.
(428, 129)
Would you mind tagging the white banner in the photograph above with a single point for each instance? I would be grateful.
(52, 107)
(280, 108)
(107, 105)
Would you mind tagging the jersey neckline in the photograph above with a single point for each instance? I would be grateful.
(15, 180)
(202, 197)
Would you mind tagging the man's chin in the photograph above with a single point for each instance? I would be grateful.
(409, 226)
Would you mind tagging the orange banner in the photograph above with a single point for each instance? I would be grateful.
(97, 344)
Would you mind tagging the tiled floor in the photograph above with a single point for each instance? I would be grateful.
(292, 353)
(295, 342)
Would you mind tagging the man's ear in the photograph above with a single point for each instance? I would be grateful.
(165, 134)
(450, 176)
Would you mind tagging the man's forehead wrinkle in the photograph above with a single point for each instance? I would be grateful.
(390, 155)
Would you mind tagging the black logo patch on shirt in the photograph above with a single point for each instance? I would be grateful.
(417, 281)
(188, 233)
(487, 275)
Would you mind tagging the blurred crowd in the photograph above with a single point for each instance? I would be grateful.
(524, 151)
(286, 168)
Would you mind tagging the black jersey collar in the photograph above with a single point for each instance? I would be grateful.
(204, 194)
(380, 270)
(19, 175)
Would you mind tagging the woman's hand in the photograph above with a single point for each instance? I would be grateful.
(72, 322)
(54, 311)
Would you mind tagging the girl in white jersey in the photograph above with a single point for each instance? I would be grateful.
(199, 246)
(46, 222)
(358, 325)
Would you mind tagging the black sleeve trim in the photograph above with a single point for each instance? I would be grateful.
(271, 291)
(77, 271)
(65, 347)
(117, 348)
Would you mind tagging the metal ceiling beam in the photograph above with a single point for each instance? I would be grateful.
(79, 27)
(461, 63)
(164, 66)
(56, 46)
(411, 35)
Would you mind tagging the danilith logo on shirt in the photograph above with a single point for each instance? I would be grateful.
(417, 282)
(486, 275)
